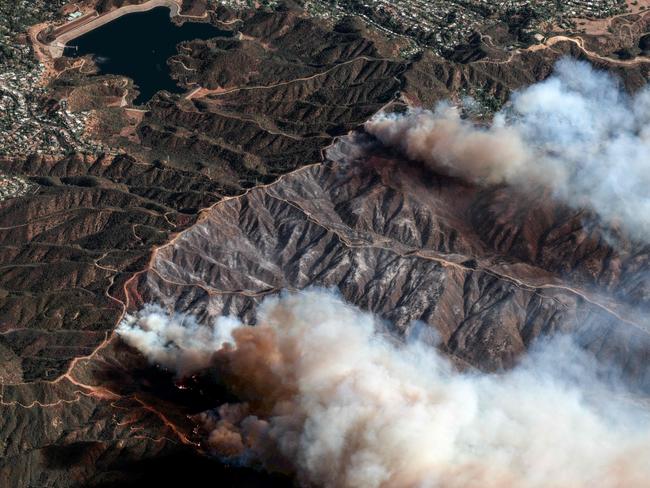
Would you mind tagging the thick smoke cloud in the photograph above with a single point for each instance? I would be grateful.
(577, 132)
(328, 396)
(176, 342)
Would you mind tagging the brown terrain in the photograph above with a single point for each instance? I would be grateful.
(250, 184)
(490, 269)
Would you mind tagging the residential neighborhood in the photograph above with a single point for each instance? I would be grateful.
(31, 125)
(14, 186)
(30, 122)
(442, 25)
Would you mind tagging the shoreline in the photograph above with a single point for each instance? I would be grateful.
(92, 21)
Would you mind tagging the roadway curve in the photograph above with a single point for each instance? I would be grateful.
(580, 43)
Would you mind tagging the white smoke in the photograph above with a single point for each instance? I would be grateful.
(327, 396)
(577, 132)
(176, 341)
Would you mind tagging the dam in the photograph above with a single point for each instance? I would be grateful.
(138, 45)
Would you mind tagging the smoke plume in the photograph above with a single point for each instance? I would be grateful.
(327, 396)
(178, 341)
(577, 132)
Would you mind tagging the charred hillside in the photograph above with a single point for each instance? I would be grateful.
(248, 184)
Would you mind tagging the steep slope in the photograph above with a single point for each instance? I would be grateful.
(89, 223)
(490, 269)
(410, 246)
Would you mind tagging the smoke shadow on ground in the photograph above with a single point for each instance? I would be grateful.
(178, 468)
(133, 377)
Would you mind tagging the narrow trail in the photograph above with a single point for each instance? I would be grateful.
(442, 259)
(123, 298)
(226, 91)
(394, 247)
(580, 43)
(98, 392)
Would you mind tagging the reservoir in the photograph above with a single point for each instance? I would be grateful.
(138, 45)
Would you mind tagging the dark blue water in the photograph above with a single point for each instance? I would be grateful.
(138, 45)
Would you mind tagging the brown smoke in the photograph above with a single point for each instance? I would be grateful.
(443, 140)
(325, 396)
(576, 132)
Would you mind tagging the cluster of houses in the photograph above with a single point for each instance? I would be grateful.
(14, 186)
(28, 125)
(443, 24)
